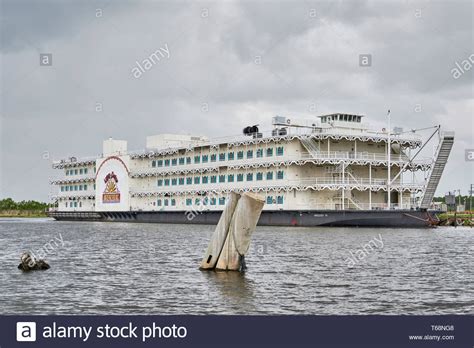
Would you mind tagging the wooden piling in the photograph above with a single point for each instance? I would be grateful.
(220, 234)
(244, 222)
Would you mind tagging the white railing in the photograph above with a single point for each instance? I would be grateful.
(323, 155)
(264, 134)
(75, 160)
(361, 206)
(292, 132)
(88, 192)
(336, 132)
(72, 178)
(310, 182)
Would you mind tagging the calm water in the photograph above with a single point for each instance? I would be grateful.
(118, 268)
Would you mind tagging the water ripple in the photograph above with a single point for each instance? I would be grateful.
(119, 268)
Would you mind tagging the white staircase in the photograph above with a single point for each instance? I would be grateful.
(350, 202)
(443, 151)
(311, 146)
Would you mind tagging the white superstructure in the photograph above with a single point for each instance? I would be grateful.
(334, 163)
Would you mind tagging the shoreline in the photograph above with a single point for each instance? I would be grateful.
(22, 214)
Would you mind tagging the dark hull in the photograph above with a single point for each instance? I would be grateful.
(360, 218)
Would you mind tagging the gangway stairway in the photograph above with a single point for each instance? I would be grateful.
(444, 149)
(311, 146)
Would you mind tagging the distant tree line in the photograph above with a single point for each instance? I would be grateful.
(10, 204)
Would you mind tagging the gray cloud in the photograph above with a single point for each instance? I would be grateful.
(309, 55)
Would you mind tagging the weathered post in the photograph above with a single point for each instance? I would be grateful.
(220, 234)
(244, 221)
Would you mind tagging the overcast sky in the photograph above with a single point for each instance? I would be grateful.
(231, 64)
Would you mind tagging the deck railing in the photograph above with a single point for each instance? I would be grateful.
(336, 132)
(309, 182)
(323, 155)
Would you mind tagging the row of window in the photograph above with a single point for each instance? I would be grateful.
(166, 202)
(76, 171)
(212, 201)
(189, 201)
(196, 180)
(274, 200)
(206, 201)
(230, 156)
(74, 204)
(67, 188)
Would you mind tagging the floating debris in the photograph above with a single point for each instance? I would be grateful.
(30, 263)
